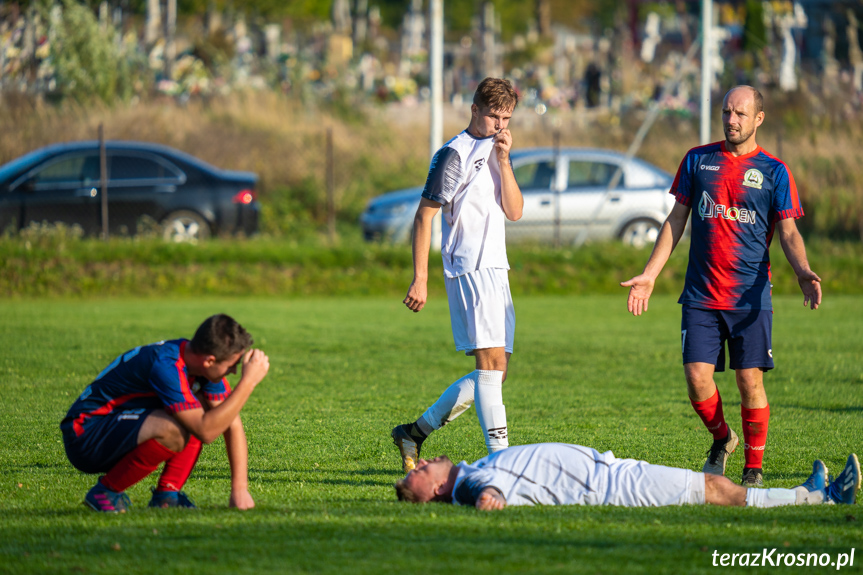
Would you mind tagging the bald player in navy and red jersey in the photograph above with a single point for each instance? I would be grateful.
(157, 403)
(739, 195)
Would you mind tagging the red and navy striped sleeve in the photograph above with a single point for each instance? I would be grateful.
(217, 391)
(786, 201)
(171, 382)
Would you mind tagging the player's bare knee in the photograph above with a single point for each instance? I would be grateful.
(174, 437)
(719, 490)
(164, 429)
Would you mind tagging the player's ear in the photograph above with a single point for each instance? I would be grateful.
(209, 361)
(759, 118)
(474, 110)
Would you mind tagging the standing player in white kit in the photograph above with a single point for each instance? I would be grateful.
(471, 179)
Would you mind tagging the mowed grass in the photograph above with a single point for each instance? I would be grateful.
(345, 371)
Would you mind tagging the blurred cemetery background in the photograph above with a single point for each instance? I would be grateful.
(254, 85)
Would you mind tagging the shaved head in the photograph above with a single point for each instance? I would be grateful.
(756, 96)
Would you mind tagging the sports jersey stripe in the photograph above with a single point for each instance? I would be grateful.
(220, 396)
(185, 388)
(797, 210)
(724, 249)
(520, 476)
(81, 419)
(445, 175)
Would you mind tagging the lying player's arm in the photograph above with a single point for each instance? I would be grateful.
(418, 290)
(208, 425)
(795, 251)
(641, 286)
(238, 459)
(490, 499)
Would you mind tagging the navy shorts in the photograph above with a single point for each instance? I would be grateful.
(105, 441)
(704, 333)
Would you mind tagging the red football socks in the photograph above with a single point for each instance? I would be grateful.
(136, 465)
(710, 412)
(754, 434)
(178, 468)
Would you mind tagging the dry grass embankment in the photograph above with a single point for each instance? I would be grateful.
(381, 149)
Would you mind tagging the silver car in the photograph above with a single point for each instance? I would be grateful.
(570, 196)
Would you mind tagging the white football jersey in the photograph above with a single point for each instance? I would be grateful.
(540, 474)
(464, 178)
(564, 474)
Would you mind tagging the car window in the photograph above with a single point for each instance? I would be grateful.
(584, 174)
(133, 167)
(76, 170)
(535, 175)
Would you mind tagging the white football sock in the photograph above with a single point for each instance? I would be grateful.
(457, 399)
(776, 497)
(490, 409)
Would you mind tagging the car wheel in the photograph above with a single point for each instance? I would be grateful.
(185, 226)
(639, 233)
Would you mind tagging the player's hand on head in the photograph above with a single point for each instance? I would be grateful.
(810, 285)
(241, 499)
(256, 364)
(417, 296)
(640, 288)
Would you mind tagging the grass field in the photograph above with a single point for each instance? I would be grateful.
(344, 371)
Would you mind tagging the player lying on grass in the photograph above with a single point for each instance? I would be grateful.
(564, 474)
(158, 403)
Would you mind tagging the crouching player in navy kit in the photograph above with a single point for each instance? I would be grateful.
(158, 403)
(564, 474)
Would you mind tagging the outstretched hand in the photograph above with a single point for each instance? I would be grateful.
(241, 499)
(640, 288)
(490, 500)
(810, 285)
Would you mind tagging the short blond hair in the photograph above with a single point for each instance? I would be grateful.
(404, 493)
(496, 94)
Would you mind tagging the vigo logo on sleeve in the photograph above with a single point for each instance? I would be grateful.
(707, 208)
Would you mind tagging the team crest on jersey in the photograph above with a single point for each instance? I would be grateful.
(478, 164)
(707, 208)
(753, 179)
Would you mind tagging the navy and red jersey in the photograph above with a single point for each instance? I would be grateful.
(147, 377)
(736, 202)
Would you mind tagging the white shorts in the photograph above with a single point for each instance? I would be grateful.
(633, 483)
(481, 311)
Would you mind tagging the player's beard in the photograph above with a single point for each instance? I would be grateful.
(740, 136)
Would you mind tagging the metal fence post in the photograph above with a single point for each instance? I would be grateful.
(103, 180)
(331, 186)
(556, 185)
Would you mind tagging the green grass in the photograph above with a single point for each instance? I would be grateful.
(345, 370)
(53, 261)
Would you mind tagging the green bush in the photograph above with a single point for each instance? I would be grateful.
(89, 62)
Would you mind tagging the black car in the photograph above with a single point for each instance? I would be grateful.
(145, 182)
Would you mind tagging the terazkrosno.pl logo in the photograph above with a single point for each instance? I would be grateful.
(707, 208)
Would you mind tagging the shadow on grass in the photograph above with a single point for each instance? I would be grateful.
(847, 409)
